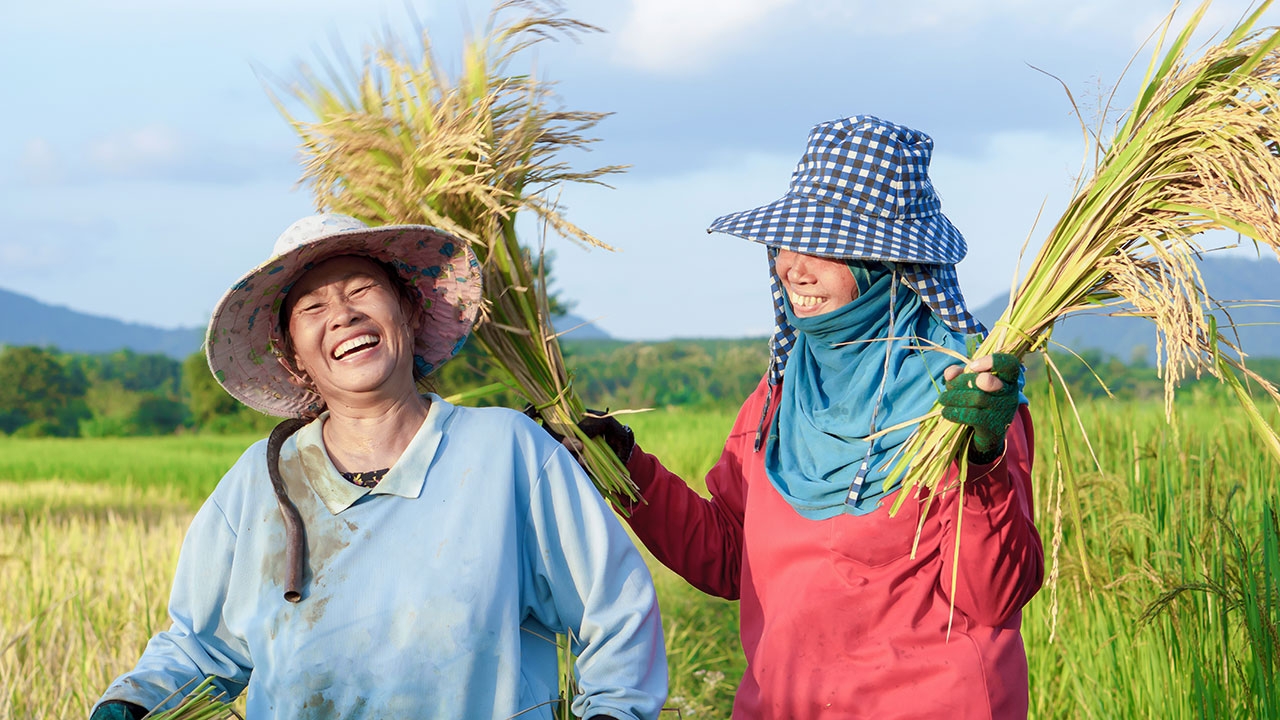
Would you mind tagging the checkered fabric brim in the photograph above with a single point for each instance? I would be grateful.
(862, 191)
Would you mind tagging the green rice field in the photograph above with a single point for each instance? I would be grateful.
(1162, 603)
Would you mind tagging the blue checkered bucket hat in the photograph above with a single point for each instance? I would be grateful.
(862, 192)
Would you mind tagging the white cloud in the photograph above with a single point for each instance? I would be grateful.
(137, 151)
(39, 162)
(696, 36)
(670, 35)
(150, 153)
(21, 255)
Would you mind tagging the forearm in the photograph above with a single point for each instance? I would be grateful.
(167, 670)
(699, 539)
(196, 645)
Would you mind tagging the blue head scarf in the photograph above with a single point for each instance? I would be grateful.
(852, 372)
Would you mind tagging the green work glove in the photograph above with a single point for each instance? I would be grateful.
(988, 413)
(118, 710)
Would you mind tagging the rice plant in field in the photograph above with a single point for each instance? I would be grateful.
(187, 466)
(396, 139)
(1125, 630)
(1161, 606)
(83, 592)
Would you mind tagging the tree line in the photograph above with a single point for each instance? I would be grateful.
(44, 392)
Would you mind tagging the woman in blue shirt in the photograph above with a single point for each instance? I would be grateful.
(396, 557)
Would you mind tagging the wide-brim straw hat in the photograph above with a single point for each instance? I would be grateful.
(861, 191)
(244, 341)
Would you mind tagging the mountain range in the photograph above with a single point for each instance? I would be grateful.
(25, 321)
(1249, 288)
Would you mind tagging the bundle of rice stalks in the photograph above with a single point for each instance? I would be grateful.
(1196, 152)
(399, 141)
(203, 703)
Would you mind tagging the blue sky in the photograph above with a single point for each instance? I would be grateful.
(143, 167)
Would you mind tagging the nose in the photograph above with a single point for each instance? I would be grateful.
(344, 313)
(793, 267)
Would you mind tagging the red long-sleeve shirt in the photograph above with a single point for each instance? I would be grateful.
(838, 620)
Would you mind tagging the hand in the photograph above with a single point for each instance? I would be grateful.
(617, 436)
(984, 396)
(594, 424)
(118, 710)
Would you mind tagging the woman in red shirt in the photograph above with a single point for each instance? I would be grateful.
(840, 616)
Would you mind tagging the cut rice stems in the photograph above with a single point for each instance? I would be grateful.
(399, 141)
(1198, 151)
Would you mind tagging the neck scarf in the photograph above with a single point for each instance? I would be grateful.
(851, 373)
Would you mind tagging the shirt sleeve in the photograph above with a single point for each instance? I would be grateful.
(1001, 560)
(588, 577)
(699, 538)
(196, 644)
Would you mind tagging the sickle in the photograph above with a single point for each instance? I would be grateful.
(295, 533)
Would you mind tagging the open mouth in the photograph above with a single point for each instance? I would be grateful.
(355, 345)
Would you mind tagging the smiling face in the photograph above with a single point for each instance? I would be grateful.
(351, 330)
(814, 285)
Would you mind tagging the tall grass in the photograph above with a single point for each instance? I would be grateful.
(187, 467)
(83, 592)
(1157, 572)
(1164, 604)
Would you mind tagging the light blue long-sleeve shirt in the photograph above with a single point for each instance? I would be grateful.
(436, 594)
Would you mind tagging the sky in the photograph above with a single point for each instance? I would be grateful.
(144, 168)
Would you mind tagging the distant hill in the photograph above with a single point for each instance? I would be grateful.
(1229, 280)
(26, 321)
(576, 328)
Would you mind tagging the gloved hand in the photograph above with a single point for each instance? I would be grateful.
(984, 397)
(118, 710)
(594, 424)
(617, 436)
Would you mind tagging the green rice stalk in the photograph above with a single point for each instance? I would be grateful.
(398, 140)
(1197, 151)
(205, 702)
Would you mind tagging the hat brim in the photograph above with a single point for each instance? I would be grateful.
(808, 226)
(243, 337)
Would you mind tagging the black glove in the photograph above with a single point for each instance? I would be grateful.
(617, 436)
(118, 710)
(988, 413)
(596, 424)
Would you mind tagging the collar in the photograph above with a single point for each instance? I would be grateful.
(406, 477)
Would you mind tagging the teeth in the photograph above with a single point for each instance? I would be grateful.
(805, 301)
(354, 343)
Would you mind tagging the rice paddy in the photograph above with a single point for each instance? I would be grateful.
(1164, 602)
